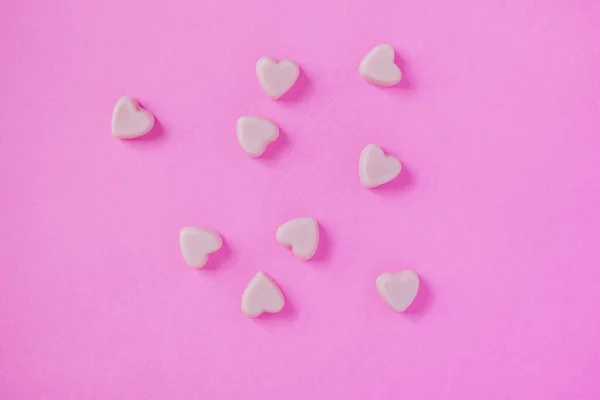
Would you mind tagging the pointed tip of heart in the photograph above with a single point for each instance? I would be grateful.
(276, 78)
(301, 235)
(197, 244)
(255, 134)
(379, 68)
(262, 295)
(130, 120)
(398, 289)
(375, 168)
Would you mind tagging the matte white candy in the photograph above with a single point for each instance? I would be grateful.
(301, 235)
(375, 168)
(129, 120)
(197, 244)
(398, 289)
(262, 295)
(378, 66)
(255, 133)
(276, 78)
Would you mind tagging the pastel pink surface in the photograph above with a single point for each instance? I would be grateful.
(496, 123)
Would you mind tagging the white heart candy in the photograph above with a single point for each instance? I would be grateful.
(255, 133)
(129, 120)
(398, 289)
(276, 78)
(301, 235)
(375, 168)
(262, 295)
(378, 66)
(197, 244)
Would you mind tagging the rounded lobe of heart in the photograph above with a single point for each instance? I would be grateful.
(262, 295)
(276, 78)
(378, 66)
(197, 244)
(130, 120)
(301, 235)
(375, 168)
(398, 289)
(255, 133)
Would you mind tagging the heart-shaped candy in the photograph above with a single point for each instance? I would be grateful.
(255, 133)
(262, 295)
(301, 235)
(275, 77)
(398, 289)
(375, 168)
(129, 120)
(197, 244)
(378, 66)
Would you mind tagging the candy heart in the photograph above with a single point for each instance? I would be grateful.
(276, 78)
(255, 133)
(129, 120)
(378, 66)
(197, 244)
(261, 295)
(301, 235)
(375, 168)
(398, 289)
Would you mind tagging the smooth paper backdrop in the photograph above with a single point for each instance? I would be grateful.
(496, 121)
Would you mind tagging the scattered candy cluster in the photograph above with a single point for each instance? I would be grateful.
(300, 235)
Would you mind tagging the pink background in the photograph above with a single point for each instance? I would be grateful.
(497, 124)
